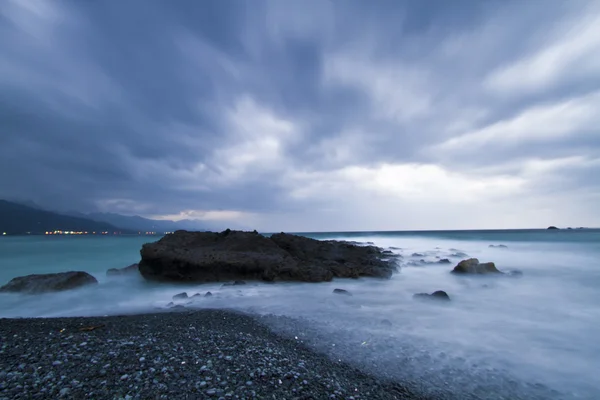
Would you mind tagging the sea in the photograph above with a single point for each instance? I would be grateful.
(534, 334)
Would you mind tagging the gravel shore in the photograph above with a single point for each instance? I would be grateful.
(172, 355)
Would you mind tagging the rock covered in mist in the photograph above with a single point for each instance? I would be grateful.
(473, 266)
(498, 246)
(437, 295)
(342, 291)
(129, 270)
(235, 283)
(42, 283)
(180, 296)
(237, 255)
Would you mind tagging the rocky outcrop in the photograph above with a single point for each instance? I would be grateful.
(473, 266)
(42, 283)
(439, 295)
(236, 255)
(552, 228)
(129, 270)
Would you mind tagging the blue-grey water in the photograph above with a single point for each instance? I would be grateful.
(537, 336)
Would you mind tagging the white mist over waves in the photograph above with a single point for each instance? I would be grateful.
(541, 328)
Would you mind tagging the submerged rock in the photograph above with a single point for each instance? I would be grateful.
(41, 283)
(459, 254)
(236, 283)
(473, 266)
(129, 270)
(342, 291)
(499, 246)
(437, 295)
(417, 255)
(444, 261)
(236, 255)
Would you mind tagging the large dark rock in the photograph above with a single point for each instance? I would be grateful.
(129, 270)
(473, 266)
(236, 255)
(41, 283)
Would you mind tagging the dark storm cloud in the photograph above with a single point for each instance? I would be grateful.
(156, 107)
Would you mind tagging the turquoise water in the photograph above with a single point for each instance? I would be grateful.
(541, 329)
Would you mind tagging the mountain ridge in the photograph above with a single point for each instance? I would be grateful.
(20, 219)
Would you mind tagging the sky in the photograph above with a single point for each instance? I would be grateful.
(325, 115)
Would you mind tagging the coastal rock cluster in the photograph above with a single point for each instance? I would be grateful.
(237, 255)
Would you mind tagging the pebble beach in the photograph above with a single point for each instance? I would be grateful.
(183, 354)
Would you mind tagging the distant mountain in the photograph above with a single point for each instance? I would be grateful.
(16, 218)
(141, 224)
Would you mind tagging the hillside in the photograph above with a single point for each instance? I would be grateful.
(145, 224)
(16, 219)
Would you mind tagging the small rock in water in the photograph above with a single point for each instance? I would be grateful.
(235, 283)
(386, 322)
(180, 296)
(444, 261)
(473, 266)
(437, 295)
(196, 295)
(499, 246)
(208, 294)
(417, 255)
(342, 291)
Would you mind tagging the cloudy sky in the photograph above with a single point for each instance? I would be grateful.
(305, 115)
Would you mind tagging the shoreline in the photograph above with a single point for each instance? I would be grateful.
(183, 354)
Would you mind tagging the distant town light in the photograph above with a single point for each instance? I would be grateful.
(3, 233)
